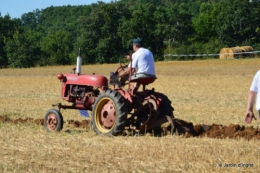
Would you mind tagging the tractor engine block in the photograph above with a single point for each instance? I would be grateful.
(84, 95)
(78, 92)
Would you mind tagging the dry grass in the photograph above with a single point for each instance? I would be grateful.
(209, 91)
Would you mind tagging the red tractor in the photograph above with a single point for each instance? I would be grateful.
(116, 109)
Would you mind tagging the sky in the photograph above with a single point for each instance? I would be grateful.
(16, 8)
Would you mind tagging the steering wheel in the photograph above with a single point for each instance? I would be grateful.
(122, 64)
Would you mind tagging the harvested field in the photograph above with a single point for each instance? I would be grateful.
(210, 94)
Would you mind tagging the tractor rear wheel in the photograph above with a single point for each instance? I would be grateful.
(53, 120)
(109, 113)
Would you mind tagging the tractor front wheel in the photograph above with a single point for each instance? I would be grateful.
(53, 120)
(109, 113)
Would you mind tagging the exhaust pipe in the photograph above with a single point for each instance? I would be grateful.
(79, 62)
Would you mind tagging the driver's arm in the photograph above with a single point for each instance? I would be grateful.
(124, 72)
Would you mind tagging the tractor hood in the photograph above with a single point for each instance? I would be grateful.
(84, 79)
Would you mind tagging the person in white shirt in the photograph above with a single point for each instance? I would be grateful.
(142, 62)
(252, 96)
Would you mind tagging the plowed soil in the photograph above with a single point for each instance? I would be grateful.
(232, 131)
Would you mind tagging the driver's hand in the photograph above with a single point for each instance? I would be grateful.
(128, 57)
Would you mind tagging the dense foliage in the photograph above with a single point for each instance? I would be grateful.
(104, 31)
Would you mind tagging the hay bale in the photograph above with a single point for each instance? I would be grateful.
(223, 54)
(235, 52)
(246, 49)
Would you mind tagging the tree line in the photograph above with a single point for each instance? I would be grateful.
(104, 31)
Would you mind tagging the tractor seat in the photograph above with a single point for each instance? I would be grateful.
(143, 80)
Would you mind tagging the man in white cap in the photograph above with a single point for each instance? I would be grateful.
(142, 62)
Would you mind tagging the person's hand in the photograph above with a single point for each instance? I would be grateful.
(249, 117)
(128, 57)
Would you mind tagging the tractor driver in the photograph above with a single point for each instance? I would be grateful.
(142, 63)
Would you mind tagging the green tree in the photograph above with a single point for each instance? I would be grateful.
(7, 28)
(22, 49)
(173, 25)
(139, 22)
(56, 47)
(235, 20)
(99, 40)
(205, 23)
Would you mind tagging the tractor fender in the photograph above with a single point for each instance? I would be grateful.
(125, 94)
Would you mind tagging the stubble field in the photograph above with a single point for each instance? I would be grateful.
(210, 92)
